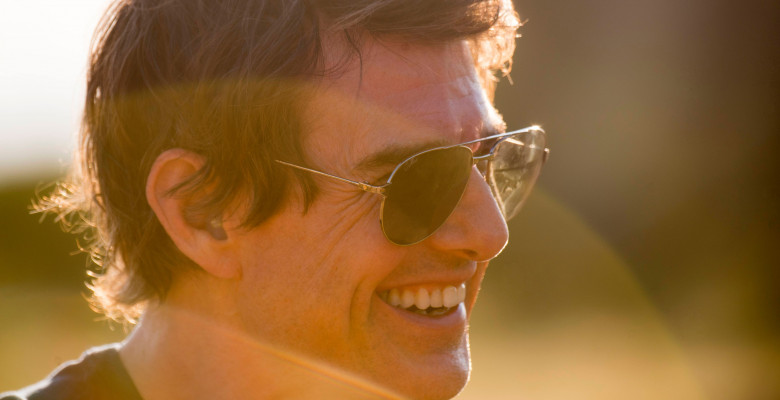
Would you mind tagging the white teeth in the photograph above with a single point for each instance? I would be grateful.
(407, 299)
(436, 300)
(423, 299)
(426, 302)
(394, 298)
(449, 296)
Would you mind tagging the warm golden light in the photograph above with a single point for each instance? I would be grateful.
(644, 265)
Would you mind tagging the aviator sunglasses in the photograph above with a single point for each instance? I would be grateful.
(424, 189)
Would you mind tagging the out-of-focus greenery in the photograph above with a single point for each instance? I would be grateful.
(44, 318)
(33, 253)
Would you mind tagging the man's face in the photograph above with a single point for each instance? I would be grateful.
(320, 283)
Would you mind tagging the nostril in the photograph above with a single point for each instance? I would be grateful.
(471, 254)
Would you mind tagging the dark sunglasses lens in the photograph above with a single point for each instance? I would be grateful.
(514, 170)
(424, 192)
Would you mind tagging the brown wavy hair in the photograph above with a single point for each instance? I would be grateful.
(222, 79)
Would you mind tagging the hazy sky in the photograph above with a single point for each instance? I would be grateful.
(43, 52)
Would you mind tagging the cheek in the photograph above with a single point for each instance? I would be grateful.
(343, 213)
(295, 305)
(313, 275)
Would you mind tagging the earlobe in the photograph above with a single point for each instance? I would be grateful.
(203, 240)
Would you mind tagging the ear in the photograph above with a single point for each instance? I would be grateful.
(203, 240)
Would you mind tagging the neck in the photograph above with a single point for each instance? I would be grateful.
(192, 346)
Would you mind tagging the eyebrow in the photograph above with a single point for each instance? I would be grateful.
(394, 154)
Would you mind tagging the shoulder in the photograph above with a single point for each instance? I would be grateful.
(98, 374)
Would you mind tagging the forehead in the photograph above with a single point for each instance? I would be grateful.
(397, 94)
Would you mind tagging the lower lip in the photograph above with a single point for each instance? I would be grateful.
(453, 320)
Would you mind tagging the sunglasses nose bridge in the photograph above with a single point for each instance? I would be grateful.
(484, 157)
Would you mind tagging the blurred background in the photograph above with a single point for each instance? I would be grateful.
(645, 265)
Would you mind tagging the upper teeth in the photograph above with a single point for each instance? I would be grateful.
(447, 296)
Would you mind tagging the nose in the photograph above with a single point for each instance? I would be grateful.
(476, 230)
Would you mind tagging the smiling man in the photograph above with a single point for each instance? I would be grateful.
(292, 199)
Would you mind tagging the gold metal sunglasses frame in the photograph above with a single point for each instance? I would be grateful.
(381, 189)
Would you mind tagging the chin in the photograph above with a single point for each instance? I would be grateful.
(442, 387)
(438, 381)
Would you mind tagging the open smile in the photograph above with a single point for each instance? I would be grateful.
(429, 301)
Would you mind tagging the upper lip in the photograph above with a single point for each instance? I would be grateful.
(442, 276)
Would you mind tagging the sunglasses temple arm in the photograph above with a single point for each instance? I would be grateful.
(363, 186)
(506, 134)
